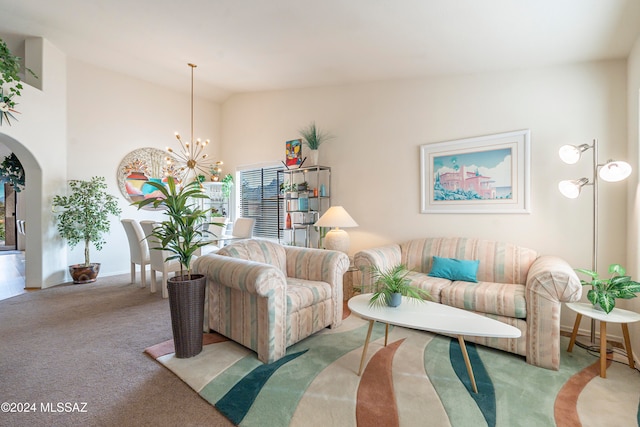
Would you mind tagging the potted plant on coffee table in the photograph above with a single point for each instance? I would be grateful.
(603, 292)
(83, 216)
(392, 285)
(182, 234)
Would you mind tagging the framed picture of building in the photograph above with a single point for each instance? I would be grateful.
(485, 174)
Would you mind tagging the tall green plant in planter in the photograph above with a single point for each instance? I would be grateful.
(83, 216)
(182, 234)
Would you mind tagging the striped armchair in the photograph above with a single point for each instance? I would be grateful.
(267, 297)
(515, 285)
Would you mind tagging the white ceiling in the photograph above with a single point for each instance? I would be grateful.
(256, 45)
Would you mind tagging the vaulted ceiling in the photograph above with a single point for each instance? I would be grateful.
(257, 45)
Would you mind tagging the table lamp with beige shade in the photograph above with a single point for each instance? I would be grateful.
(337, 218)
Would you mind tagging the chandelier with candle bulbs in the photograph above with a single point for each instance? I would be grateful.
(190, 161)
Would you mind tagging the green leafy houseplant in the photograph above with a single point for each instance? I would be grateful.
(83, 215)
(183, 232)
(12, 172)
(227, 182)
(312, 137)
(394, 281)
(10, 76)
(286, 187)
(605, 291)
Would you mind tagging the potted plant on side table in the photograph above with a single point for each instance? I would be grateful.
(604, 292)
(392, 284)
(83, 216)
(182, 234)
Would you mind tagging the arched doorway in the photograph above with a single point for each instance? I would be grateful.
(29, 210)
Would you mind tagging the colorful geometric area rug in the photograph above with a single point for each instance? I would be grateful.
(418, 379)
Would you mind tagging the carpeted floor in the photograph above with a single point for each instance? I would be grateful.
(72, 355)
(419, 379)
(84, 344)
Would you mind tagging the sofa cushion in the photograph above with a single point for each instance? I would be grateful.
(499, 262)
(257, 250)
(487, 297)
(454, 269)
(305, 293)
(433, 285)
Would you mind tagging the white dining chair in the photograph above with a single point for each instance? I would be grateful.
(158, 257)
(243, 228)
(138, 249)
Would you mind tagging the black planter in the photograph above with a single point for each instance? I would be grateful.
(81, 273)
(186, 302)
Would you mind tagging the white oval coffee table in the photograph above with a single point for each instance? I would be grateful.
(432, 317)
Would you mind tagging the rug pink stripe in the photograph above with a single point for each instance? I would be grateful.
(376, 402)
(167, 347)
(565, 409)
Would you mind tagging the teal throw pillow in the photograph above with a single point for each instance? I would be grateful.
(455, 269)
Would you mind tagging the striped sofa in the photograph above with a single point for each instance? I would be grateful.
(515, 286)
(267, 297)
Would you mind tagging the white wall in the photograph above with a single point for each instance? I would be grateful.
(112, 114)
(39, 140)
(633, 258)
(380, 126)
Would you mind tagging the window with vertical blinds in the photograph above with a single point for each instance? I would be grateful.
(259, 200)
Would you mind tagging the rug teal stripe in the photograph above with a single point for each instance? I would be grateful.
(282, 394)
(486, 396)
(237, 402)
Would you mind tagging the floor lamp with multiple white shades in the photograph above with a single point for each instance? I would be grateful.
(611, 171)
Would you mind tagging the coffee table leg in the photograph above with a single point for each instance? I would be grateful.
(386, 333)
(463, 347)
(603, 349)
(574, 334)
(627, 345)
(366, 345)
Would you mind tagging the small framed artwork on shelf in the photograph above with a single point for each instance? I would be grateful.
(294, 153)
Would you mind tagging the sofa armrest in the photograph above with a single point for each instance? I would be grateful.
(553, 279)
(247, 276)
(550, 282)
(382, 257)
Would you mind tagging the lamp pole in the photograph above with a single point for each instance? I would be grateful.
(594, 250)
(591, 344)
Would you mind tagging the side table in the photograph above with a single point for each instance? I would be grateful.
(617, 315)
(350, 280)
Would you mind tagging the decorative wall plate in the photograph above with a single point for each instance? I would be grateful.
(140, 167)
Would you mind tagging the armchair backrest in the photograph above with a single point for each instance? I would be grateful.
(258, 250)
